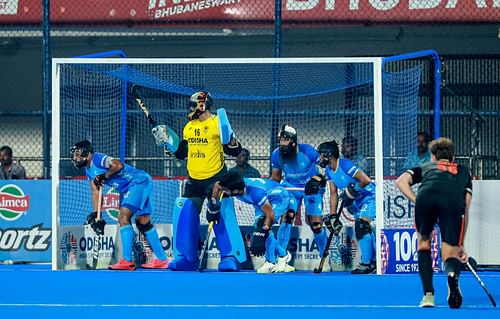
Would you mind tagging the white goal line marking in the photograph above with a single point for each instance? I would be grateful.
(58, 305)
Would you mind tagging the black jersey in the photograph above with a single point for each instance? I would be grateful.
(443, 177)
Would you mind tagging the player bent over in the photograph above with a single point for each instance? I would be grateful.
(358, 191)
(271, 201)
(135, 187)
(443, 198)
(206, 137)
(297, 164)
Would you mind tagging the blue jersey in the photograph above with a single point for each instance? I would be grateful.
(299, 169)
(260, 191)
(344, 175)
(121, 180)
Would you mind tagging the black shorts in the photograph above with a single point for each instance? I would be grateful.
(197, 188)
(435, 208)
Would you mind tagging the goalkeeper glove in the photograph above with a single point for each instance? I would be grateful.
(213, 211)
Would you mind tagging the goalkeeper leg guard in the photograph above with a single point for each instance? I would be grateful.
(229, 238)
(186, 233)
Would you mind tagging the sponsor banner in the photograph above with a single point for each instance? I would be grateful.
(75, 248)
(399, 251)
(385, 11)
(25, 220)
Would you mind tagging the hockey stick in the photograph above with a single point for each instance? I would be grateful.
(142, 105)
(205, 245)
(326, 252)
(97, 238)
(472, 270)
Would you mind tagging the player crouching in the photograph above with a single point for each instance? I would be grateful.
(270, 201)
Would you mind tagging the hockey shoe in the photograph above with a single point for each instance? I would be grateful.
(267, 268)
(363, 269)
(427, 300)
(283, 263)
(454, 293)
(123, 265)
(156, 264)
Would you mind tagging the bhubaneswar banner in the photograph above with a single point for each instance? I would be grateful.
(361, 11)
(25, 220)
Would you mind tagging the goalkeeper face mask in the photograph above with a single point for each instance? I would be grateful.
(198, 104)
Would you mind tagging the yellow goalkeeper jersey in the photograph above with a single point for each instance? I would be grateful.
(205, 152)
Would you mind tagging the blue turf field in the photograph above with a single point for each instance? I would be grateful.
(34, 291)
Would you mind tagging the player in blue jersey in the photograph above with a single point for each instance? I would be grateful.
(358, 191)
(135, 187)
(296, 164)
(271, 202)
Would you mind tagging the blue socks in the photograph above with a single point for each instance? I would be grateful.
(321, 241)
(366, 249)
(284, 234)
(127, 236)
(154, 241)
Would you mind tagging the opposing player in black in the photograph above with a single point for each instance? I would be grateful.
(443, 198)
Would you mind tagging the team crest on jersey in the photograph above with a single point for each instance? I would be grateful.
(205, 129)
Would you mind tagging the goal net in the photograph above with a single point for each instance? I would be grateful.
(348, 100)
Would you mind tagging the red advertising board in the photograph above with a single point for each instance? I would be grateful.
(354, 11)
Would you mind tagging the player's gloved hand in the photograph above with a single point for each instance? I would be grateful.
(333, 224)
(98, 226)
(91, 218)
(213, 211)
(160, 133)
(314, 184)
(349, 195)
(100, 179)
(259, 237)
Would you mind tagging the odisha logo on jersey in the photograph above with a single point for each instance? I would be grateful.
(68, 248)
(13, 202)
(111, 203)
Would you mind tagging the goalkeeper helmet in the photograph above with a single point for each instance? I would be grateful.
(81, 149)
(199, 103)
(289, 133)
(328, 150)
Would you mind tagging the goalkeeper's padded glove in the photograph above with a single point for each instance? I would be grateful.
(100, 179)
(213, 211)
(333, 224)
(160, 133)
(98, 226)
(259, 237)
(314, 184)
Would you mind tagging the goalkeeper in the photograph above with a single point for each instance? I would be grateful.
(271, 201)
(443, 198)
(203, 147)
(135, 187)
(358, 191)
(297, 164)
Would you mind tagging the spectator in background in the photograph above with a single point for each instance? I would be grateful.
(349, 151)
(10, 170)
(242, 167)
(421, 154)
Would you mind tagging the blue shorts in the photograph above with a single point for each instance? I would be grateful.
(138, 197)
(281, 202)
(365, 208)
